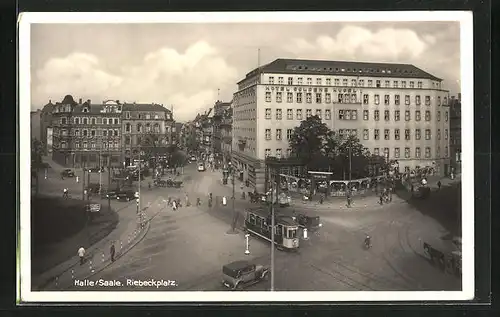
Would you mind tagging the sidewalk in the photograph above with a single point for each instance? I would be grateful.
(98, 255)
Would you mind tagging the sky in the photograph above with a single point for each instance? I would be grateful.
(190, 66)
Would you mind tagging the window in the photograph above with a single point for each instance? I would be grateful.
(376, 151)
(387, 84)
(318, 81)
(309, 81)
(353, 98)
(427, 100)
(376, 115)
(407, 100)
(439, 134)
(386, 134)
(148, 127)
(407, 152)
(85, 145)
(407, 115)
(419, 84)
(418, 134)
(308, 97)
(289, 114)
(412, 84)
(318, 113)
(366, 99)
(92, 133)
(446, 134)
(377, 99)
(85, 121)
(396, 115)
(279, 114)
(446, 116)
(148, 116)
(116, 132)
(397, 136)
(268, 96)
(279, 134)
(446, 151)
(396, 152)
(289, 133)
(407, 134)
(288, 152)
(318, 97)
(361, 83)
(417, 152)
(94, 121)
(395, 84)
(271, 80)
(127, 127)
(439, 116)
(365, 114)
(290, 80)
(417, 100)
(328, 81)
(85, 133)
(278, 153)
(268, 134)
(387, 116)
(63, 120)
(337, 82)
(308, 113)
(353, 82)
(427, 115)
(344, 82)
(386, 100)
(377, 83)
(366, 134)
(417, 115)
(344, 115)
(403, 84)
(77, 144)
(280, 80)
(267, 152)
(354, 114)
(77, 120)
(427, 152)
(328, 97)
(386, 152)
(105, 133)
(427, 134)
(268, 113)
(396, 100)
(328, 114)
(370, 83)
(289, 97)
(139, 127)
(299, 81)
(299, 114)
(77, 132)
(279, 96)
(376, 133)
(299, 97)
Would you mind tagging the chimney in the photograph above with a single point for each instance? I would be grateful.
(88, 101)
(118, 101)
(50, 100)
(80, 101)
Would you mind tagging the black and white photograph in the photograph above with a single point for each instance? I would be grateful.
(265, 156)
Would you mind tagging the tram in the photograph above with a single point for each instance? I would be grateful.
(258, 222)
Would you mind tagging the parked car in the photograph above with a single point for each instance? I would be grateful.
(241, 274)
(93, 188)
(68, 173)
(108, 194)
(125, 195)
(201, 167)
(96, 170)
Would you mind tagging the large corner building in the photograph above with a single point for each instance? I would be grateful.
(397, 110)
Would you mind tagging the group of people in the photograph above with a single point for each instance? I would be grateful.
(386, 195)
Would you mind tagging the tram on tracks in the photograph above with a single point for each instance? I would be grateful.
(286, 236)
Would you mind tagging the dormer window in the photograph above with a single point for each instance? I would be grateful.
(85, 109)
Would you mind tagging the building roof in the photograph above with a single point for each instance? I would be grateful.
(144, 107)
(347, 68)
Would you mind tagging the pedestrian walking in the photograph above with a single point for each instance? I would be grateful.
(174, 205)
(81, 254)
(198, 201)
(439, 185)
(390, 194)
(321, 198)
(381, 199)
(77, 179)
(169, 201)
(112, 251)
(65, 193)
(187, 201)
(242, 186)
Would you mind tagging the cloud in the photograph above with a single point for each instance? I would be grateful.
(353, 42)
(187, 80)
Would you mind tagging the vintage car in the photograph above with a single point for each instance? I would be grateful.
(201, 167)
(160, 182)
(67, 173)
(311, 223)
(125, 195)
(241, 274)
(445, 254)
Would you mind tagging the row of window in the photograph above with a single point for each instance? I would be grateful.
(418, 152)
(366, 134)
(92, 145)
(352, 114)
(147, 128)
(345, 82)
(93, 121)
(376, 151)
(145, 116)
(90, 133)
(350, 98)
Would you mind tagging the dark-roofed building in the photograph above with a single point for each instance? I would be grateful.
(149, 128)
(86, 134)
(46, 127)
(397, 110)
(219, 111)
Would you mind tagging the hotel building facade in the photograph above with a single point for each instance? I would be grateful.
(396, 110)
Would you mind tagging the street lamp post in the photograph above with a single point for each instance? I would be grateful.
(247, 251)
(235, 219)
(272, 236)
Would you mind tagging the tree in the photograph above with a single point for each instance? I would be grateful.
(153, 145)
(36, 161)
(310, 138)
(178, 158)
